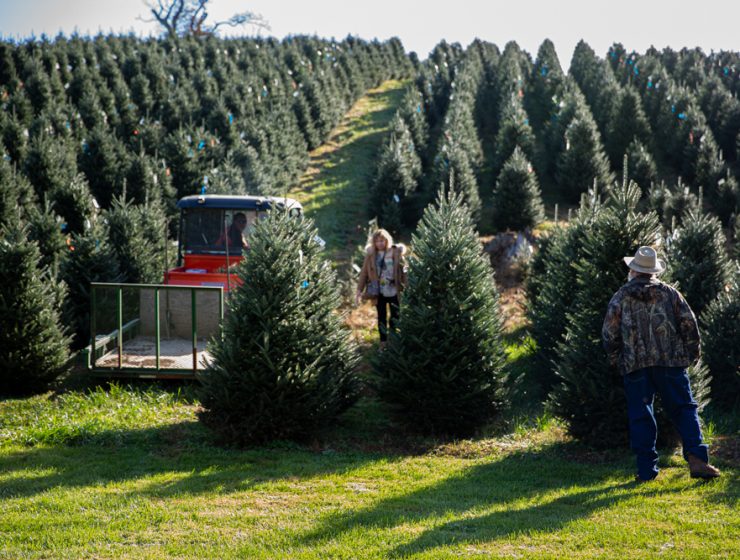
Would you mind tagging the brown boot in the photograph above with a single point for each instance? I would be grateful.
(700, 469)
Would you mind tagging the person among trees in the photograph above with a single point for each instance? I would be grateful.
(382, 279)
(651, 334)
(235, 233)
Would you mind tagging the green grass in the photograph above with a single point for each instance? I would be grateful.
(334, 191)
(127, 472)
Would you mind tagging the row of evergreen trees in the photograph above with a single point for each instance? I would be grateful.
(571, 130)
(284, 364)
(99, 137)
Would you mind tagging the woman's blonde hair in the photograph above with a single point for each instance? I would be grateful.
(377, 234)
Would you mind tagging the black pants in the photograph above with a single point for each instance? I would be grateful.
(382, 306)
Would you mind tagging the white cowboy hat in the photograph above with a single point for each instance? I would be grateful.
(646, 261)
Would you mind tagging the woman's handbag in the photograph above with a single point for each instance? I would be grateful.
(372, 289)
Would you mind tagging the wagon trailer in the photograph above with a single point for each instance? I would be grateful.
(162, 330)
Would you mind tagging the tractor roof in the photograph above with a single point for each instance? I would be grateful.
(245, 202)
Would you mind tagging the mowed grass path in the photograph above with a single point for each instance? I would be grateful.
(335, 189)
(129, 473)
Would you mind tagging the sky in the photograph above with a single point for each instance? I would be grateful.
(709, 24)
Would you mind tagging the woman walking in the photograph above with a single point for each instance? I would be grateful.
(382, 279)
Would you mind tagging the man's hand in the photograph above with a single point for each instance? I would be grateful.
(358, 295)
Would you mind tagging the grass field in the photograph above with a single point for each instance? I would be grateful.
(126, 471)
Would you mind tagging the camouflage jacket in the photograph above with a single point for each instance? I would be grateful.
(649, 323)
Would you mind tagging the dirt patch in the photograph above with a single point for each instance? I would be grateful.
(726, 448)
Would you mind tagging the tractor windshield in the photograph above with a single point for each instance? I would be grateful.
(213, 230)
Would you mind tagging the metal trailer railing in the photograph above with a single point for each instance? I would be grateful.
(135, 347)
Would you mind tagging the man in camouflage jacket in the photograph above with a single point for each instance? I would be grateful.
(651, 335)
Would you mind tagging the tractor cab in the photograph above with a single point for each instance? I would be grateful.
(214, 236)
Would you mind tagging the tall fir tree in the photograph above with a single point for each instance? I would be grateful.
(720, 331)
(583, 161)
(34, 347)
(442, 371)
(697, 258)
(517, 202)
(46, 228)
(641, 165)
(397, 175)
(545, 85)
(514, 131)
(283, 365)
(453, 166)
(137, 235)
(628, 124)
(89, 258)
(553, 295)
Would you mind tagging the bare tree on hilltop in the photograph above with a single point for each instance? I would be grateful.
(189, 17)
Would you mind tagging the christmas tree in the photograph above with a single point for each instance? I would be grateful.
(89, 258)
(33, 343)
(442, 371)
(397, 175)
(545, 84)
(137, 235)
(641, 165)
(453, 166)
(583, 159)
(553, 291)
(517, 203)
(720, 331)
(629, 124)
(283, 365)
(513, 132)
(697, 259)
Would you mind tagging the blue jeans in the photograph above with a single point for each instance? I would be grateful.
(672, 384)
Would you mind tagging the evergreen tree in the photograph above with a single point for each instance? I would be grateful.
(33, 344)
(629, 124)
(517, 203)
(89, 258)
(52, 169)
(672, 203)
(442, 371)
(45, 228)
(583, 161)
(554, 293)
(397, 175)
(283, 365)
(589, 394)
(414, 115)
(725, 198)
(697, 259)
(452, 165)
(16, 193)
(137, 236)
(545, 84)
(513, 132)
(720, 329)
(641, 165)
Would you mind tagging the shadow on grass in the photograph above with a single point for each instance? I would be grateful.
(180, 452)
(523, 492)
